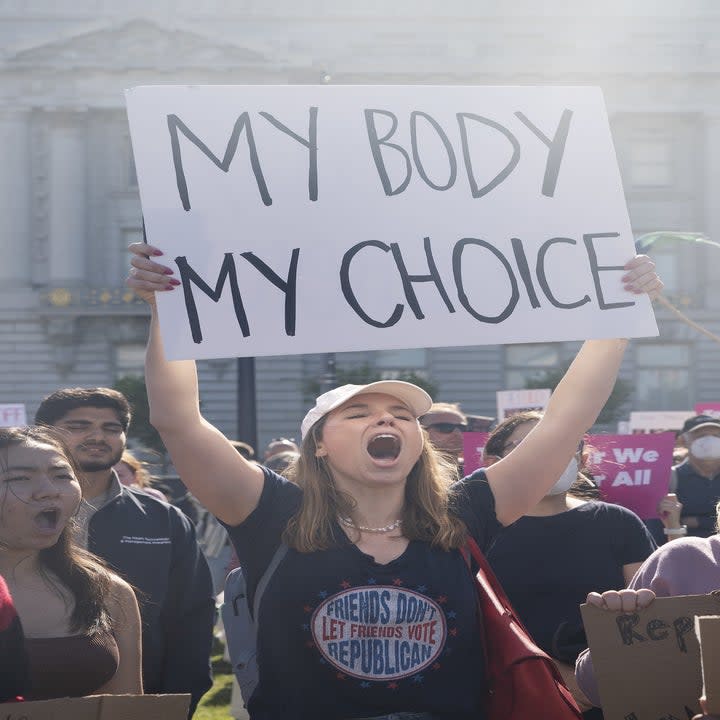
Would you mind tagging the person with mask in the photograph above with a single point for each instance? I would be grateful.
(568, 545)
(696, 481)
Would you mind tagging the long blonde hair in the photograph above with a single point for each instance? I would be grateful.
(426, 514)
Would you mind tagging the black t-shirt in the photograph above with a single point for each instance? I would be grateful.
(548, 565)
(341, 636)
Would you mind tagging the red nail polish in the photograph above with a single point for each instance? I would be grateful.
(157, 253)
(169, 287)
(174, 282)
(168, 271)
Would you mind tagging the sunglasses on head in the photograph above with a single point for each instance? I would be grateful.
(447, 428)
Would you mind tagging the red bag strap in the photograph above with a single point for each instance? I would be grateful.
(489, 583)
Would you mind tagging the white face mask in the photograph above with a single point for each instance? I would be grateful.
(568, 477)
(706, 448)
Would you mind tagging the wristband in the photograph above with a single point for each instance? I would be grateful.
(682, 530)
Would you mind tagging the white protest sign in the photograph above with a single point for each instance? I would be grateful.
(658, 420)
(512, 402)
(335, 218)
(708, 408)
(12, 414)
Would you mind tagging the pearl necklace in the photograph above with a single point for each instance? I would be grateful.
(381, 530)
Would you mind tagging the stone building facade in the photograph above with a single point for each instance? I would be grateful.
(68, 192)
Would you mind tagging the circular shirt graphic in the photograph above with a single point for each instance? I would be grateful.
(379, 632)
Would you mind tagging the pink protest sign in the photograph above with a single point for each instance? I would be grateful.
(473, 446)
(633, 470)
(708, 408)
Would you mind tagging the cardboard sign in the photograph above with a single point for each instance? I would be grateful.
(708, 408)
(100, 707)
(658, 420)
(473, 447)
(512, 402)
(647, 663)
(12, 415)
(633, 470)
(707, 629)
(307, 219)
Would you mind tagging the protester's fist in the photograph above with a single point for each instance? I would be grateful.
(147, 276)
(621, 600)
(670, 510)
(641, 277)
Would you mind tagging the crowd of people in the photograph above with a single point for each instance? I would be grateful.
(106, 587)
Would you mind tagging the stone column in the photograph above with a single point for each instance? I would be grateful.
(68, 198)
(15, 240)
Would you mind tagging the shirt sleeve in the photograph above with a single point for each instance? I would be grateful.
(635, 543)
(653, 576)
(257, 538)
(473, 502)
(585, 677)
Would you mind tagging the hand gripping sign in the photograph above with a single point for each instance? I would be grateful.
(329, 218)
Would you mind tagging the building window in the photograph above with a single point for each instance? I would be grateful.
(393, 363)
(651, 162)
(680, 266)
(129, 360)
(527, 362)
(662, 377)
(667, 266)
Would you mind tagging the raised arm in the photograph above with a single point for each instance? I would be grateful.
(220, 478)
(524, 476)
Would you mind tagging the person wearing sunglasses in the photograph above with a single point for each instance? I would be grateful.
(569, 543)
(445, 423)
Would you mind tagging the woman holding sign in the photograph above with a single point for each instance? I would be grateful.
(372, 610)
(81, 622)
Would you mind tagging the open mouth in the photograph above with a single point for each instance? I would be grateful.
(95, 448)
(384, 447)
(48, 519)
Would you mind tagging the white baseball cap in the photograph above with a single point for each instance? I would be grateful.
(411, 395)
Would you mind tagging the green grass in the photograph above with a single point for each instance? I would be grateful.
(215, 705)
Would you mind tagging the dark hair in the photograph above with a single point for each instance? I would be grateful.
(584, 487)
(280, 462)
(58, 404)
(81, 572)
(498, 438)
